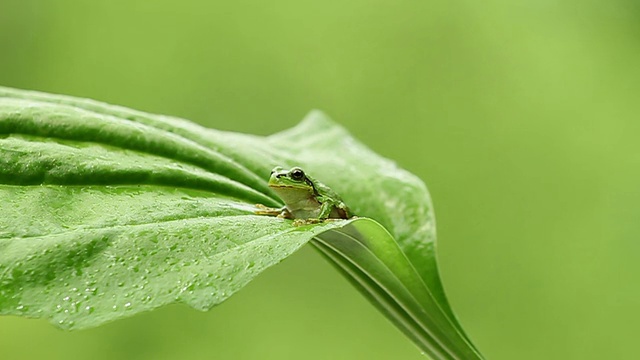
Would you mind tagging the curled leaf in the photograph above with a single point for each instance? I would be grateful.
(107, 212)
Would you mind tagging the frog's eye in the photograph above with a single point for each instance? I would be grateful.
(297, 174)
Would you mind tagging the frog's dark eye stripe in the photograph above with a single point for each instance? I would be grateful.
(310, 183)
(297, 174)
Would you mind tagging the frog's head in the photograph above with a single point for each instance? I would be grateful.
(294, 178)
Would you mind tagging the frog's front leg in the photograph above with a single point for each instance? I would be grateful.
(325, 209)
(282, 212)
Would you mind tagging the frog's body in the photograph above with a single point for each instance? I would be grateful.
(305, 198)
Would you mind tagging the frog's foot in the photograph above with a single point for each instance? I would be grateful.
(303, 222)
(265, 210)
(282, 212)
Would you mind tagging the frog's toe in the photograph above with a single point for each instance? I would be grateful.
(299, 222)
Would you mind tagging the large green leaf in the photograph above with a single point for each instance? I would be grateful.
(107, 212)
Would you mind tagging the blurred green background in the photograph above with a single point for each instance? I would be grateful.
(522, 118)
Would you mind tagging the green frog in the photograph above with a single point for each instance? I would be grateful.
(306, 199)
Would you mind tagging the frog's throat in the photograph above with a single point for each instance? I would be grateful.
(291, 188)
(293, 195)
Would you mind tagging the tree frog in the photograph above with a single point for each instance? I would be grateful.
(306, 199)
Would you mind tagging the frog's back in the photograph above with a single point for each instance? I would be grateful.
(324, 190)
